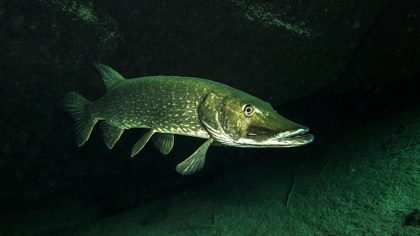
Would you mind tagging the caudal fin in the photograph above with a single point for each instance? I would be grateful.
(75, 105)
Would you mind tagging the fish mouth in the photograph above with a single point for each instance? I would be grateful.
(290, 138)
(294, 138)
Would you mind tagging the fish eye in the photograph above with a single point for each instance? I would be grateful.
(248, 109)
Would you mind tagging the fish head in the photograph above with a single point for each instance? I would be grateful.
(243, 120)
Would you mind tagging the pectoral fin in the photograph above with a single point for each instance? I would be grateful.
(196, 161)
(111, 134)
(141, 142)
(164, 142)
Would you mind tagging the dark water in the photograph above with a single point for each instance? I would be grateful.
(347, 69)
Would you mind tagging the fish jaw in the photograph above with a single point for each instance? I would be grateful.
(290, 138)
(294, 138)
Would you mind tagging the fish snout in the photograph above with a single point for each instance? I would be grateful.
(295, 137)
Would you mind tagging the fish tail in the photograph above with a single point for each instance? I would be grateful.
(75, 105)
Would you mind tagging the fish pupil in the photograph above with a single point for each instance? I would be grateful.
(248, 110)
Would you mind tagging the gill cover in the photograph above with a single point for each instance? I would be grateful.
(211, 113)
(223, 117)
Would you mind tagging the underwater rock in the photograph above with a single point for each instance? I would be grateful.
(256, 12)
(296, 48)
(52, 32)
(42, 43)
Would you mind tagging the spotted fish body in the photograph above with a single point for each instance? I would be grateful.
(173, 105)
(167, 104)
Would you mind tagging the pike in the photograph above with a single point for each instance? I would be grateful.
(174, 105)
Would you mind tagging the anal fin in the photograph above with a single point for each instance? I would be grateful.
(164, 142)
(141, 142)
(195, 162)
(111, 134)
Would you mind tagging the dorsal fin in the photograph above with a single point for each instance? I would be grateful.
(109, 75)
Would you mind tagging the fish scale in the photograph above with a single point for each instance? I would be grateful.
(164, 103)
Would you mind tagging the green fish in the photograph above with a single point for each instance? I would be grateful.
(169, 105)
